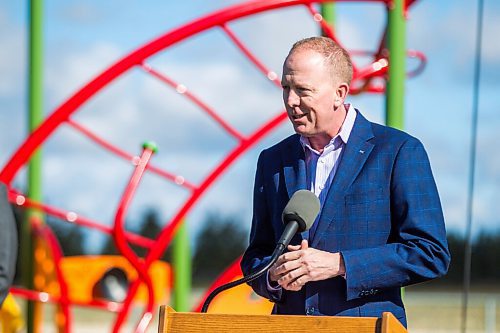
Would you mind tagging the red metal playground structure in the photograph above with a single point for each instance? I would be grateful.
(370, 79)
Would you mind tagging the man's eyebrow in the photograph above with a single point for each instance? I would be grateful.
(304, 85)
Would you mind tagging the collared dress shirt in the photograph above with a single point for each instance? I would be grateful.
(321, 166)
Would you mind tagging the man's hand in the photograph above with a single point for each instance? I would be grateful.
(302, 264)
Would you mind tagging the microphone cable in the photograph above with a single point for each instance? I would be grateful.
(274, 257)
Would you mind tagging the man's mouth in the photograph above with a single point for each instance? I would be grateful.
(298, 116)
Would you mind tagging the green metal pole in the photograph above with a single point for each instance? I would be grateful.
(396, 38)
(328, 14)
(35, 104)
(397, 64)
(182, 269)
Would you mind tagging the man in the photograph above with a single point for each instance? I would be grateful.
(8, 244)
(380, 226)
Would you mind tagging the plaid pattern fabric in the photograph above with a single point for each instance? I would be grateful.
(382, 212)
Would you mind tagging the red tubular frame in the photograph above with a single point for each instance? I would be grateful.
(14, 196)
(47, 298)
(44, 232)
(264, 70)
(227, 276)
(137, 58)
(121, 243)
(117, 151)
(62, 113)
(167, 233)
(196, 101)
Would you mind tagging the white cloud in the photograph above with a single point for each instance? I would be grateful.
(81, 12)
(448, 32)
(68, 69)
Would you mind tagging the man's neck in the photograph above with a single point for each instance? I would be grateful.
(319, 142)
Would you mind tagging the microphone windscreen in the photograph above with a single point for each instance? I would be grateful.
(303, 207)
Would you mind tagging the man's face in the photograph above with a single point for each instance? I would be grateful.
(309, 94)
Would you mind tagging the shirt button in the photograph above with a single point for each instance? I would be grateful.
(321, 187)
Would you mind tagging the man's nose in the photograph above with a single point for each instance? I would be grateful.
(292, 99)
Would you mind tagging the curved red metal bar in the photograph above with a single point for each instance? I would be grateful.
(23, 201)
(43, 297)
(62, 113)
(208, 110)
(362, 77)
(263, 69)
(167, 233)
(230, 274)
(44, 232)
(121, 243)
(179, 180)
(422, 62)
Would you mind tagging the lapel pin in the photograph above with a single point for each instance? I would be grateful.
(362, 151)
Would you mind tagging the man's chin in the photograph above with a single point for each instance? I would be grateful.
(302, 130)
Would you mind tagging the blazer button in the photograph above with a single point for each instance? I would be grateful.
(310, 310)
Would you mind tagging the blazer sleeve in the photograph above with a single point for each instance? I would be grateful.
(417, 249)
(8, 244)
(262, 235)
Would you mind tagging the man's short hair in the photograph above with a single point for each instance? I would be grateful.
(335, 56)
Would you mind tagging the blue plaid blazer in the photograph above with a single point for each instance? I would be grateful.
(382, 212)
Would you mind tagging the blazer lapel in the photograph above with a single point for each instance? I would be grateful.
(354, 156)
(294, 167)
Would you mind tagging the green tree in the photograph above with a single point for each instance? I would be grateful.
(456, 245)
(484, 261)
(218, 244)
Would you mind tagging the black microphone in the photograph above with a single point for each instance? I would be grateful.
(299, 215)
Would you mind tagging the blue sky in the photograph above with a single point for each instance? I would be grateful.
(83, 38)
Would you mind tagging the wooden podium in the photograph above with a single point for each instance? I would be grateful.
(187, 322)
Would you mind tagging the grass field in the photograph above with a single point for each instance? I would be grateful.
(442, 312)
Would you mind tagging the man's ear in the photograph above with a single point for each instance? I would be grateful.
(341, 94)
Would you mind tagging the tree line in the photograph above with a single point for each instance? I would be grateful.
(219, 243)
(222, 240)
